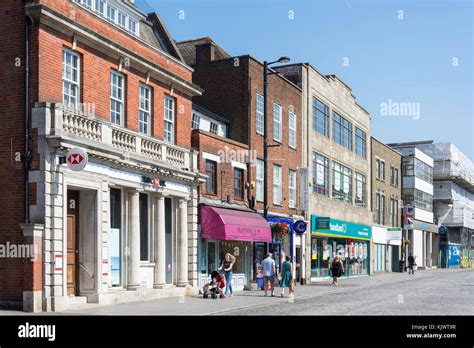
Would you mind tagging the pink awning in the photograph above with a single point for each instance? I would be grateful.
(228, 224)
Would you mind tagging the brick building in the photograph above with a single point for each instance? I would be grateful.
(107, 78)
(223, 202)
(233, 86)
(386, 196)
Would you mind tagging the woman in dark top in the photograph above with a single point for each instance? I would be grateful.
(227, 267)
(336, 268)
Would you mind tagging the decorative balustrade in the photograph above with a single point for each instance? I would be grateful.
(81, 125)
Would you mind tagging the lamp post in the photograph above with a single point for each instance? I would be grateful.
(266, 64)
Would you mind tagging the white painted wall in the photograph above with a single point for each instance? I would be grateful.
(423, 215)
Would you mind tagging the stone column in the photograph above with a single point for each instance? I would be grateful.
(183, 243)
(133, 282)
(160, 244)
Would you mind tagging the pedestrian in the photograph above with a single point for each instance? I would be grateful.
(269, 270)
(286, 276)
(337, 268)
(227, 268)
(411, 264)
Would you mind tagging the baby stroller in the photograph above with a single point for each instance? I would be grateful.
(215, 286)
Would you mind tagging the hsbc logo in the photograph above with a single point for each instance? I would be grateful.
(76, 159)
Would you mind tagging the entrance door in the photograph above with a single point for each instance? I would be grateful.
(169, 240)
(72, 245)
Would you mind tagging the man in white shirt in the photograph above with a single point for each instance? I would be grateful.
(269, 271)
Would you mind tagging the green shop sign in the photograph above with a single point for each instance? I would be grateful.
(338, 228)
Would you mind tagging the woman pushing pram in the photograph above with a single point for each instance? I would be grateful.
(215, 286)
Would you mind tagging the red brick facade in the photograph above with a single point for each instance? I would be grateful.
(230, 88)
(213, 144)
(46, 45)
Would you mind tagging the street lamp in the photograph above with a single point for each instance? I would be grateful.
(266, 64)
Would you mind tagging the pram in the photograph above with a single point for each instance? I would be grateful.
(214, 287)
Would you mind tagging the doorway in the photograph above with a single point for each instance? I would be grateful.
(72, 241)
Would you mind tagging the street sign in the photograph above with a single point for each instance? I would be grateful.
(299, 227)
(304, 189)
(76, 159)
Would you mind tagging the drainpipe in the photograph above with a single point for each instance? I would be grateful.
(27, 153)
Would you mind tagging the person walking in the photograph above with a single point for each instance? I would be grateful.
(269, 270)
(336, 268)
(411, 264)
(286, 276)
(227, 268)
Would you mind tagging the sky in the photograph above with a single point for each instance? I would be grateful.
(409, 63)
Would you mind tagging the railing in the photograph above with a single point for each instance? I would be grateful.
(65, 121)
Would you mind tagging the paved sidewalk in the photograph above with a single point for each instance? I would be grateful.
(242, 299)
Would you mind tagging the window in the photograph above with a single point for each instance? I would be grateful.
(277, 195)
(132, 25)
(211, 172)
(144, 233)
(342, 183)
(71, 79)
(111, 12)
(341, 131)
(394, 211)
(380, 208)
(259, 119)
(122, 19)
(116, 98)
(361, 190)
(408, 166)
(320, 117)
(169, 120)
(292, 129)
(418, 199)
(393, 176)
(380, 169)
(99, 6)
(292, 189)
(260, 180)
(360, 142)
(320, 174)
(213, 128)
(238, 183)
(196, 121)
(277, 129)
(87, 3)
(423, 171)
(144, 110)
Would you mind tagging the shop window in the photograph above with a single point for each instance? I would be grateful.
(144, 231)
(235, 248)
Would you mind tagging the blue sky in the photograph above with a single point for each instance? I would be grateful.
(405, 60)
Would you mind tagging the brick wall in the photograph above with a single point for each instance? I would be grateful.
(230, 88)
(218, 146)
(46, 46)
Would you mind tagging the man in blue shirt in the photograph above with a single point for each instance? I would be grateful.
(269, 270)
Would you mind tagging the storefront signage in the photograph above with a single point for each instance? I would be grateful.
(153, 181)
(299, 227)
(394, 234)
(76, 159)
(443, 229)
(304, 196)
(322, 223)
(339, 228)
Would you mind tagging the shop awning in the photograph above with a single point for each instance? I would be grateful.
(228, 224)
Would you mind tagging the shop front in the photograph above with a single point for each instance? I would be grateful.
(231, 231)
(330, 237)
(387, 248)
